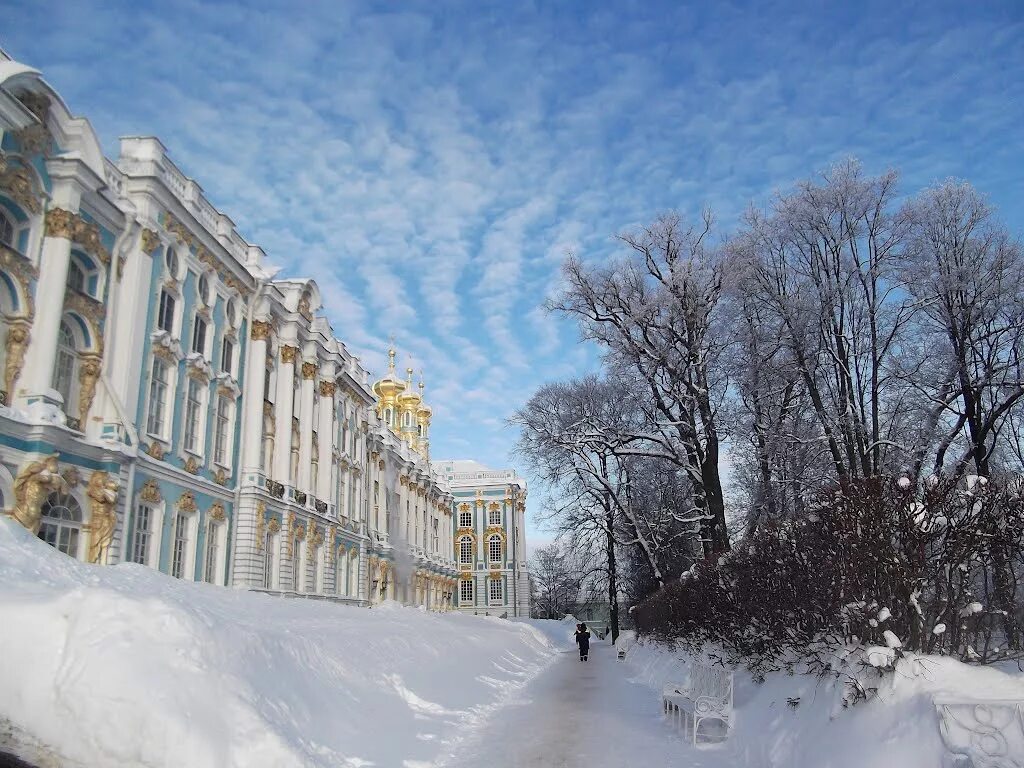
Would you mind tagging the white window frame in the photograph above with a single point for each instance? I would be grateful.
(494, 516)
(187, 555)
(214, 549)
(490, 592)
(463, 597)
(176, 300)
(491, 540)
(167, 405)
(151, 557)
(319, 570)
(465, 519)
(299, 560)
(196, 431)
(227, 345)
(222, 440)
(62, 524)
(462, 551)
(66, 354)
(198, 321)
(271, 560)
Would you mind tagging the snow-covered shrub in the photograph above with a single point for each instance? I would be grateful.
(934, 570)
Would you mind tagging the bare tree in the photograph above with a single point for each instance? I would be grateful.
(652, 313)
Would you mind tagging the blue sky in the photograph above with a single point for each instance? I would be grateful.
(431, 163)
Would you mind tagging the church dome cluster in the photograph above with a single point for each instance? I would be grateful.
(401, 407)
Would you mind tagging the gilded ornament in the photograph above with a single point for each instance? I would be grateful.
(303, 307)
(327, 388)
(309, 370)
(156, 450)
(260, 330)
(220, 477)
(35, 138)
(31, 487)
(72, 477)
(102, 493)
(150, 492)
(463, 507)
(59, 223)
(179, 230)
(16, 345)
(288, 353)
(87, 235)
(88, 374)
(192, 465)
(217, 511)
(165, 353)
(149, 240)
(274, 525)
(187, 502)
(16, 183)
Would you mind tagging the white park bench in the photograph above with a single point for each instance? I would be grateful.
(982, 733)
(706, 696)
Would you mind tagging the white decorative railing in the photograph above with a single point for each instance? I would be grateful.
(982, 734)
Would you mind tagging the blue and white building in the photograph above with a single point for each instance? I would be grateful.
(168, 400)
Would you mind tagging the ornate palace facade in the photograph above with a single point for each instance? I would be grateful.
(166, 400)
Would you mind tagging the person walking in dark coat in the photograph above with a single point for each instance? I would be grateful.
(583, 640)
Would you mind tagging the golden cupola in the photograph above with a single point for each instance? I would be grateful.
(388, 390)
(423, 415)
(408, 405)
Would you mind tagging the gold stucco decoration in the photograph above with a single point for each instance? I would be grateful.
(88, 375)
(327, 388)
(102, 493)
(186, 502)
(288, 353)
(192, 465)
(274, 525)
(217, 511)
(261, 330)
(16, 183)
(309, 370)
(36, 481)
(87, 234)
(156, 450)
(16, 344)
(59, 223)
(149, 240)
(150, 492)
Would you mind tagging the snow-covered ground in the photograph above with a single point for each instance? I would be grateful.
(124, 666)
(797, 721)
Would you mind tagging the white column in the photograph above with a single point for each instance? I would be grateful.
(49, 297)
(253, 396)
(283, 406)
(304, 480)
(327, 433)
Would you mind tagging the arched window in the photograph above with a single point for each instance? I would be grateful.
(494, 548)
(64, 367)
(6, 230)
(61, 525)
(76, 277)
(466, 549)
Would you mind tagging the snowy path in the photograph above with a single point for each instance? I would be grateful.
(582, 715)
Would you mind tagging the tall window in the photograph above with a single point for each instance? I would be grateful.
(296, 567)
(494, 548)
(212, 553)
(6, 230)
(156, 419)
(227, 357)
(269, 550)
(466, 550)
(495, 590)
(317, 569)
(171, 260)
(165, 315)
(221, 431)
(434, 537)
(64, 367)
(179, 547)
(76, 277)
(61, 523)
(465, 519)
(494, 516)
(466, 591)
(142, 535)
(204, 289)
(199, 336)
(193, 410)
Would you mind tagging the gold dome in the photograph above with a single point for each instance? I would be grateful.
(410, 398)
(390, 386)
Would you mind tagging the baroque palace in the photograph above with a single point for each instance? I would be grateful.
(168, 401)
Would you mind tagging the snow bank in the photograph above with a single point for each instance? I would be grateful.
(796, 721)
(124, 666)
(560, 633)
